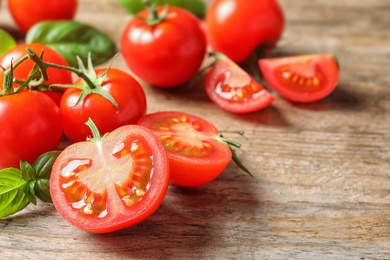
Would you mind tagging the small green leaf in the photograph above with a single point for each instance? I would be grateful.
(43, 166)
(7, 42)
(12, 196)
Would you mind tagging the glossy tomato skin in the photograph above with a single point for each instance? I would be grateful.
(125, 90)
(119, 181)
(234, 90)
(237, 27)
(304, 78)
(168, 53)
(196, 154)
(21, 72)
(27, 13)
(30, 126)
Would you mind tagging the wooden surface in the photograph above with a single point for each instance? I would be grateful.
(322, 170)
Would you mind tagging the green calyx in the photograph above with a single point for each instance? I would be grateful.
(154, 17)
(93, 83)
(231, 144)
(96, 137)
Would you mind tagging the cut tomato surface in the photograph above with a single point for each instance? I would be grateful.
(103, 186)
(304, 78)
(234, 90)
(196, 153)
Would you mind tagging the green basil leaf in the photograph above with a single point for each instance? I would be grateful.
(72, 39)
(12, 196)
(43, 166)
(7, 42)
(197, 7)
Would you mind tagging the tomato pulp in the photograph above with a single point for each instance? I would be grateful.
(234, 90)
(196, 153)
(113, 183)
(304, 78)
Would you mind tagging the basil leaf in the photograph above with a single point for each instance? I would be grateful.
(72, 39)
(12, 196)
(43, 166)
(7, 42)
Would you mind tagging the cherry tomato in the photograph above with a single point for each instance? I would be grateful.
(27, 13)
(22, 72)
(304, 78)
(237, 27)
(108, 184)
(233, 89)
(123, 88)
(167, 53)
(196, 153)
(30, 126)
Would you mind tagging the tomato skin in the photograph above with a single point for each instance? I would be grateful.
(21, 72)
(106, 172)
(125, 90)
(304, 78)
(31, 126)
(27, 13)
(185, 136)
(234, 90)
(166, 54)
(237, 27)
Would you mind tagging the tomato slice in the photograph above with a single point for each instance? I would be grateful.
(304, 78)
(196, 153)
(234, 90)
(103, 186)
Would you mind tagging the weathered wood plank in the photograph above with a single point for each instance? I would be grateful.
(322, 170)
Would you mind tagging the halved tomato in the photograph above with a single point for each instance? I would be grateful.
(303, 78)
(233, 89)
(107, 184)
(197, 154)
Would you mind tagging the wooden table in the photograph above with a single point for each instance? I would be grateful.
(322, 170)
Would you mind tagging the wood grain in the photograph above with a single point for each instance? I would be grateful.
(322, 170)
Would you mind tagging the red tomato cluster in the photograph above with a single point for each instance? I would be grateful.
(121, 174)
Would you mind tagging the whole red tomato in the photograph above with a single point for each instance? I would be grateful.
(122, 87)
(166, 53)
(237, 27)
(27, 13)
(30, 126)
(21, 72)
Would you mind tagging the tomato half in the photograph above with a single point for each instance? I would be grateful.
(167, 53)
(113, 183)
(234, 90)
(237, 27)
(30, 126)
(122, 87)
(22, 72)
(27, 13)
(304, 78)
(196, 153)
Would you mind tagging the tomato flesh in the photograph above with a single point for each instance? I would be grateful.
(196, 154)
(113, 184)
(304, 78)
(234, 90)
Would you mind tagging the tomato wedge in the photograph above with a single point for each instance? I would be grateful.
(304, 78)
(110, 183)
(233, 89)
(196, 153)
